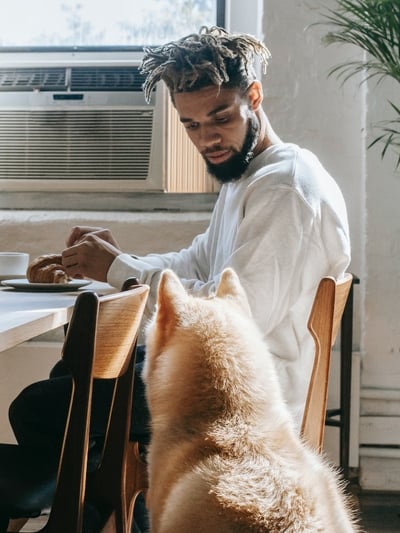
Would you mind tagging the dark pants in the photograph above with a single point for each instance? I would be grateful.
(38, 413)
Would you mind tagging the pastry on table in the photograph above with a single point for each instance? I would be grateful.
(47, 268)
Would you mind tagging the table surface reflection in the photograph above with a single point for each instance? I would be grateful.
(27, 314)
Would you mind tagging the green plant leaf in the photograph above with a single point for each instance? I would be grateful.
(374, 27)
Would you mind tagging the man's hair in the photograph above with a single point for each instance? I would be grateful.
(211, 57)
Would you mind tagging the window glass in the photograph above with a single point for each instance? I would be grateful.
(70, 95)
(101, 23)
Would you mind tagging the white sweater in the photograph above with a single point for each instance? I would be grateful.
(282, 227)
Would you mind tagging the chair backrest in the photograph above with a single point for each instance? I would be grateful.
(100, 344)
(323, 324)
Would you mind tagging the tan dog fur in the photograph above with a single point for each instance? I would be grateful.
(224, 456)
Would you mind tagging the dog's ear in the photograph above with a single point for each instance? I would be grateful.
(170, 296)
(170, 286)
(230, 287)
(171, 293)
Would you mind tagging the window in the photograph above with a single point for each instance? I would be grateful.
(101, 24)
(73, 36)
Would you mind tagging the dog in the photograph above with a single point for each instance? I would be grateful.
(224, 456)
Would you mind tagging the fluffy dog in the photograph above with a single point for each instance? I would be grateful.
(224, 456)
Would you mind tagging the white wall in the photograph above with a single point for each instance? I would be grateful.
(380, 392)
(39, 232)
(382, 303)
(307, 107)
(244, 16)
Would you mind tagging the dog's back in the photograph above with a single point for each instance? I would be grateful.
(224, 456)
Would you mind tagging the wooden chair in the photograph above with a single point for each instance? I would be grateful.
(100, 344)
(323, 323)
(339, 416)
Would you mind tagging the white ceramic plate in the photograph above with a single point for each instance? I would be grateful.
(25, 285)
(13, 276)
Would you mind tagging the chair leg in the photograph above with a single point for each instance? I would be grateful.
(136, 479)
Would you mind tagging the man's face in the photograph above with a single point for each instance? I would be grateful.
(223, 128)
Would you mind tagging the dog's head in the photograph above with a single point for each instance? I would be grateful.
(204, 356)
(177, 310)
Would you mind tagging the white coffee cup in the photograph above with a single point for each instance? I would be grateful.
(13, 265)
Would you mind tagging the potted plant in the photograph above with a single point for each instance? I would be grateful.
(373, 26)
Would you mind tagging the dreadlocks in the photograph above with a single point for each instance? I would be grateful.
(211, 57)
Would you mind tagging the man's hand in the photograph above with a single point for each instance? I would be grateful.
(90, 254)
(79, 234)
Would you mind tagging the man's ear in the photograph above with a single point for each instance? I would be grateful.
(255, 95)
(229, 287)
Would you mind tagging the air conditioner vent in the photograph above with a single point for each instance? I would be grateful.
(29, 79)
(67, 144)
(105, 138)
(106, 79)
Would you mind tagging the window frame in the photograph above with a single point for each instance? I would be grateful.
(237, 16)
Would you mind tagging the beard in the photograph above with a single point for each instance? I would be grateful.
(234, 168)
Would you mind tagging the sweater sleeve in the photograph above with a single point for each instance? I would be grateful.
(190, 264)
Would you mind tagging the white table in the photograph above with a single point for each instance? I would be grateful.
(24, 315)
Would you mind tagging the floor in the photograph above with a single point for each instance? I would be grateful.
(380, 513)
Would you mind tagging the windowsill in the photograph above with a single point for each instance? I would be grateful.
(98, 201)
(42, 231)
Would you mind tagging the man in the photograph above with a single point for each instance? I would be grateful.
(280, 221)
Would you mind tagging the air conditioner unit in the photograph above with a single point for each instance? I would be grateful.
(87, 127)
